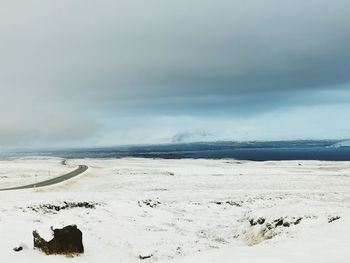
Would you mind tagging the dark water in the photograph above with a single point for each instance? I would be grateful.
(259, 151)
(264, 154)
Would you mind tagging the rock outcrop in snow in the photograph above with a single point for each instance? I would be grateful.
(66, 241)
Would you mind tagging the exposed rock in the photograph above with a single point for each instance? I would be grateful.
(231, 203)
(278, 222)
(252, 222)
(145, 257)
(261, 220)
(260, 229)
(298, 221)
(286, 224)
(66, 241)
(50, 208)
(149, 202)
(333, 218)
(17, 249)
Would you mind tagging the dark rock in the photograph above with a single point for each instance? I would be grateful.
(252, 222)
(17, 249)
(298, 221)
(333, 218)
(261, 220)
(232, 203)
(286, 224)
(145, 257)
(268, 226)
(66, 241)
(150, 203)
(278, 222)
(49, 208)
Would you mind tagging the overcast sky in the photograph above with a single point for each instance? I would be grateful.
(85, 73)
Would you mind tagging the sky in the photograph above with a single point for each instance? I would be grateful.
(86, 73)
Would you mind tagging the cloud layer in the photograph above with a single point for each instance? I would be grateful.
(85, 72)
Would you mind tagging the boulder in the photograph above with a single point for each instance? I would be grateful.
(18, 249)
(65, 241)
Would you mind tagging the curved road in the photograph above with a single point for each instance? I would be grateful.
(79, 170)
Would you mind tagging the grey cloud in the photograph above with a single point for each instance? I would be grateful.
(190, 136)
(69, 64)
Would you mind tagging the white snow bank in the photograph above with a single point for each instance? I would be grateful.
(188, 211)
(321, 244)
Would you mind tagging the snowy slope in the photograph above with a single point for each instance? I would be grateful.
(189, 211)
(341, 144)
(26, 170)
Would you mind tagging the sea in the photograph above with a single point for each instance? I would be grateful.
(330, 150)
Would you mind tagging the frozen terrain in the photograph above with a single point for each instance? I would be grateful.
(182, 210)
(28, 170)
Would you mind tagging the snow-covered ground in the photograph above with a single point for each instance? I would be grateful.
(184, 210)
(28, 170)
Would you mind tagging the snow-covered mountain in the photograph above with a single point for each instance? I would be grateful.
(341, 144)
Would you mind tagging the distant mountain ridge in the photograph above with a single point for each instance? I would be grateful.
(341, 144)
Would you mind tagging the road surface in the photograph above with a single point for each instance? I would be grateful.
(79, 170)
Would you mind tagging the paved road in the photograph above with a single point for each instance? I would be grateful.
(80, 170)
